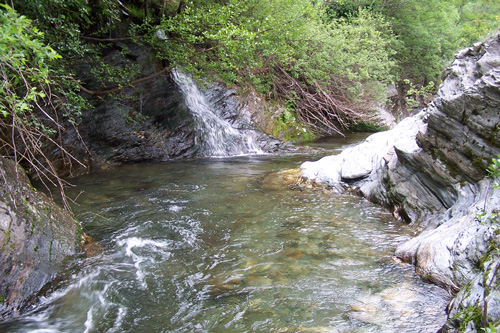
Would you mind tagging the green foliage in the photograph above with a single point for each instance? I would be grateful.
(429, 32)
(61, 20)
(366, 126)
(471, 313)
(362, 47)
(218, 38)
(478, 19)
(490, 329)
(136, 12)
(494, 171)
(288, 128)
(69, 23)
(32, 104)
(429, 37)
(24, 67)
(414, 95)
(243, 40)
(26, 75)
(268, 44)
(113, 76)
(346, 9)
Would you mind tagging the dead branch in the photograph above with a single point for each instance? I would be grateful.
(325, 108)
(117, 89)
(104, 40)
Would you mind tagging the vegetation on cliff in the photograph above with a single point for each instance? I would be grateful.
(35, 98)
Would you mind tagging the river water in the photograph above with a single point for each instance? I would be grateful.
(221, 245)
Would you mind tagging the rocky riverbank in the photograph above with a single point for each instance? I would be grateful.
(36, 240)
(430, 170)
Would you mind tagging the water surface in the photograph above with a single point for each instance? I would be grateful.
(221, 245)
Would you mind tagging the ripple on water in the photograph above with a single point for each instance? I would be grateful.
(205, 246)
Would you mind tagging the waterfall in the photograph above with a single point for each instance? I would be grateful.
(214, 135)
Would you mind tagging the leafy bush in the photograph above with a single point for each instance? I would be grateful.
(31, 108)
(478, 19)
(494, 171)
(284, 47)
(429, 32)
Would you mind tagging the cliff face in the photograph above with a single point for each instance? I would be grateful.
(431, 171)
(36, 239)
(461, 139)
(463, 124)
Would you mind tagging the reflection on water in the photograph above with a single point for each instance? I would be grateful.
(206, 246)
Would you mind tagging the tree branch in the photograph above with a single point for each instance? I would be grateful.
(117, 89)
(94, 39)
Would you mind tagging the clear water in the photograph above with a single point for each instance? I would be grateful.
(221, 245)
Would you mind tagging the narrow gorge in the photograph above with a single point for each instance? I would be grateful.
(199, 228)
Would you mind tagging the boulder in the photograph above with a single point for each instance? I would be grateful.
(36, 239)
(360, 164)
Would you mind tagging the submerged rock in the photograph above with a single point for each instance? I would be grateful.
(278, 180)
(36, 239)
(430, 170)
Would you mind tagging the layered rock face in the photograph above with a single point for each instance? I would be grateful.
(431, 171)
(36, 239)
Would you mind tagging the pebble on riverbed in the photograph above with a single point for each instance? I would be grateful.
(90, 246)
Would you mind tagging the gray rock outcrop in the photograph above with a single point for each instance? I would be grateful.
(36, 239)
(430, 170)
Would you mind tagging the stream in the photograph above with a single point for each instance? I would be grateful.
(221, 245)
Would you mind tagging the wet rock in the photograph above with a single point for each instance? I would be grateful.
(281, 179)
(401, 302)
(362, 164)
(90, 246)
(237, 112)
(480, 296)
(219, 288)
(36, 239)
(295, 254)
(150, 121)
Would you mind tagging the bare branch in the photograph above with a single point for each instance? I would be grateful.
(326, 109)
(103, 40)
